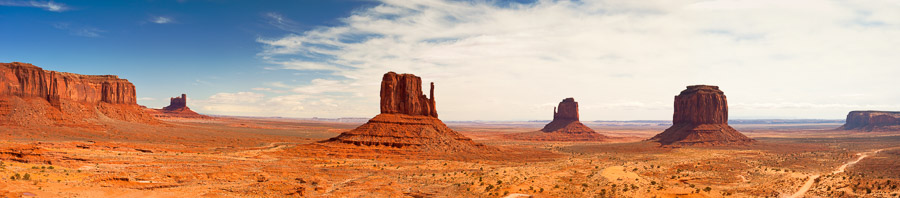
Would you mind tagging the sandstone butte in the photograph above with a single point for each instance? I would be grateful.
(408, 120)
(566, 126)
(872, 121)
(701, 118)
(31, 96)
(177, 109)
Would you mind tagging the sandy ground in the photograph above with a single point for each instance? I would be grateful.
(247, 157)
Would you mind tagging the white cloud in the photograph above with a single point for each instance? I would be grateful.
(257, 104)
(620, 59)
(162, 20)
(79, 30)
(47, 5)
(146, 99)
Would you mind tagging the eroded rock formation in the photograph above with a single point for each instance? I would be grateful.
(177, 109)
(565, 126)
(701, 118)
(63, 97)
(26, 80)
(408, 119)
(872, 121)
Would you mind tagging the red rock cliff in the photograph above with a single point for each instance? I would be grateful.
(568, 110)
(26, 80)
(402, 94)
(701, 104)
(872, 121)
(701, 118)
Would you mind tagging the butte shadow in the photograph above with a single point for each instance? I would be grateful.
(701, 118)
(565, 126)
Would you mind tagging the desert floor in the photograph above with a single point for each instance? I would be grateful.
(256, 157)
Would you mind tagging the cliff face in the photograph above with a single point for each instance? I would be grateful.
(408, 120)
(701, 104)
(26, 80)
(402, 94)
(701, 118)
(567, 110)
(872, 121)
(31, 96)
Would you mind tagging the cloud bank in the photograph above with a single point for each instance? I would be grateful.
(620, 59)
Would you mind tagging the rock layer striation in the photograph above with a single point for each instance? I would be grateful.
(872, 121)
(701, 118)
(31, 96)
(408, 120)
(27, 80)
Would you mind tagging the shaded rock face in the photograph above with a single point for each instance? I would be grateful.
(701, 118)
(408, 120)
(872, 121)
(31, 96)
(402, 94)
(26, 80)
(177, 109)
(564, 127)
(176, 103)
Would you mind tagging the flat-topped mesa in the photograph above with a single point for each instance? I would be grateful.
(176, 103)
(872, 121)
(26, 80)
(402, 94)
(408, 120)
(701, 118)
(71, 99)
(701, 104)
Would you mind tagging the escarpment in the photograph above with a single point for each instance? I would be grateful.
(701, 118)
(872, 121)
(32, 95)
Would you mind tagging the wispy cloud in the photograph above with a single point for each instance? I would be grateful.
(279, 21)
(625, 59)
(79, 30)
(162, 20)
(47, 5)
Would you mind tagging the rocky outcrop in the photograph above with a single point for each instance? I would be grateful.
(565, 126)
(26, 80)
(408, 120)
(33, 96)
(177, 109)
(872, 121)
(402, 94)
(176, 103)
(701, 118)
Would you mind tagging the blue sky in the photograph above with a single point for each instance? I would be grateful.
(490, 60)
(164, 47)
